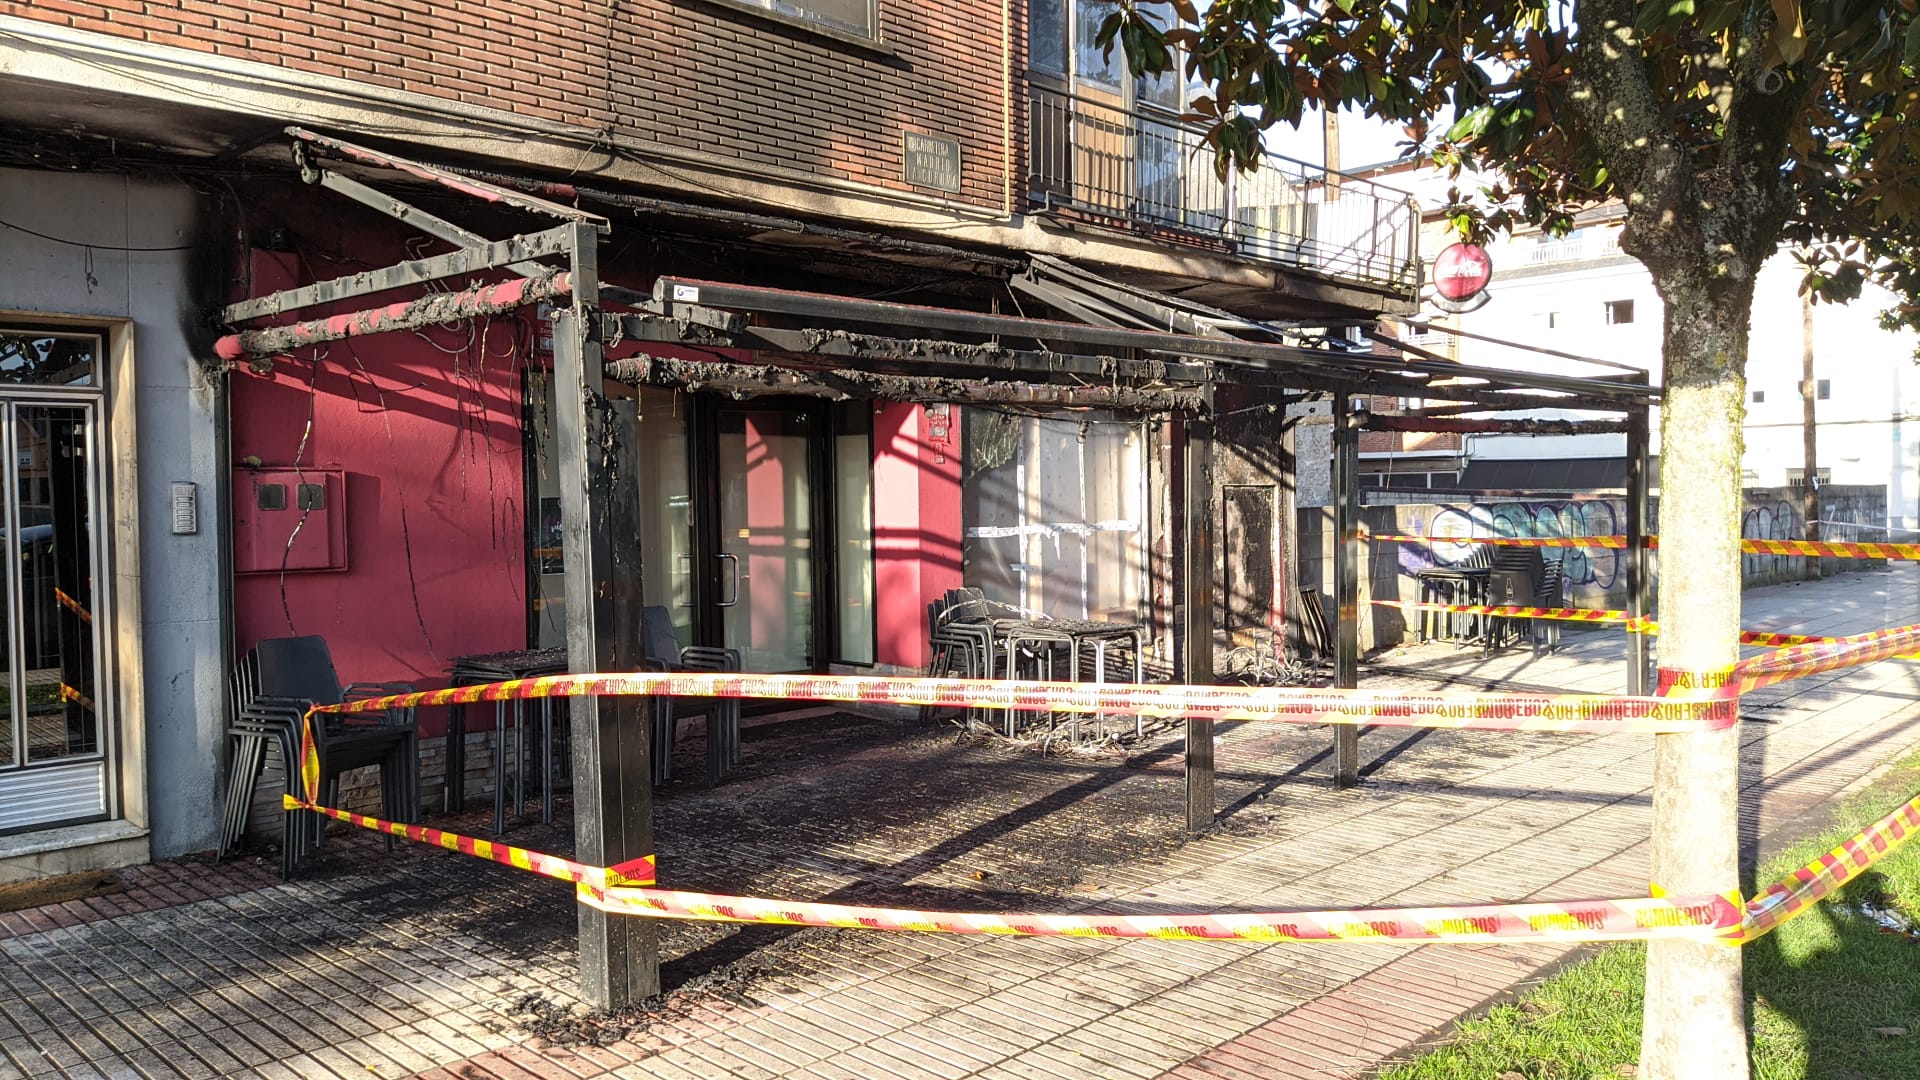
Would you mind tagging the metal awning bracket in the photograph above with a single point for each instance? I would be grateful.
(479, 189)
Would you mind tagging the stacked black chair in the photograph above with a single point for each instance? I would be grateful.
(723, 714)
(972, 629)
(277, 683)
(1516, 579)
(955, 653)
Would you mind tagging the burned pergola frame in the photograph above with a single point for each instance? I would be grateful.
(816, 343)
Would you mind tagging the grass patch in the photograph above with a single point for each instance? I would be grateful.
(1830, 996)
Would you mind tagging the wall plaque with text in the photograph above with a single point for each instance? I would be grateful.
(930, 161)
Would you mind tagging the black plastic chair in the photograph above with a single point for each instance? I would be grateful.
(277, 683)
(723, 714)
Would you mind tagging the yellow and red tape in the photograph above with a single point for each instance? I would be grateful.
(1689, 701)
(1796, 893)
(1596, 713)
(624, 889)
(1642, 624)
(1750, 546)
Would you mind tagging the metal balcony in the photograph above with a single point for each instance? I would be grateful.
(1137, 171)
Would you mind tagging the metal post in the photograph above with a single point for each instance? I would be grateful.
(1639, 660)
(1197, 610)
(1348, 561)
(599, 493)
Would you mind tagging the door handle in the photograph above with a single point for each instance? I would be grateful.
(734, 596)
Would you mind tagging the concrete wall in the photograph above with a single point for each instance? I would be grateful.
(174, 584)
(1593, 579)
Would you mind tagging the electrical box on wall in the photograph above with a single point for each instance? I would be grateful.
(289, 519)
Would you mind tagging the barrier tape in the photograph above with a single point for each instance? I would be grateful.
(72, 605)
(1592, 615)
(635, 872)
(619, 890)
(1580, 920)
(1820, 547)
(1794, 894)
(1595, 713)
(68, 693)
(1619, 542)
(1641, 625)
(1800, 661)
(1748, 545)
(624, 890)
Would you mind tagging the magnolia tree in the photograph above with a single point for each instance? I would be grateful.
(1726, 130)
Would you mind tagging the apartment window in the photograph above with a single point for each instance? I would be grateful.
(1619, 311)
(1549, 319)
(1798, 477)
(1823, 389)
(1759, 396)
(858, 17)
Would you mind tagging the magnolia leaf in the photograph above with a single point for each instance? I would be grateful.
(1912, 47)
(1470, 126)
(1789, 33)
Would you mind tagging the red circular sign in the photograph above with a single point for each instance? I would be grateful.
(1461, 271)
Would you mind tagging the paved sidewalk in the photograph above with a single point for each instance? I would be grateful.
(421, 962)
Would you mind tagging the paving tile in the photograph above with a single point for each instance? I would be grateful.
(391, 964)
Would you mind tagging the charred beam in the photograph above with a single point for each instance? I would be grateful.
(468, 260)
(1378, 422)
(479, 189)
(743, 380)
(1282, 358)
(493, 299)
(841, 345)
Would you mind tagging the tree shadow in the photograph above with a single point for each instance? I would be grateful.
(1833, 996)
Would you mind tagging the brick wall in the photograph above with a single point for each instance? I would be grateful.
(685, 73)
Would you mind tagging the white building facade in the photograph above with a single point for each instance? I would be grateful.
(1580, 295)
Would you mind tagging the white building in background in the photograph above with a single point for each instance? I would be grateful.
(1580, 295)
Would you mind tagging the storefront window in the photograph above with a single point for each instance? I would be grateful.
(1054, 513)
(853, 528)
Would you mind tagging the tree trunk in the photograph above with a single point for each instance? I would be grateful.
(1695, 1019)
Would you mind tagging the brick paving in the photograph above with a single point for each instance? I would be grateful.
(418, 962)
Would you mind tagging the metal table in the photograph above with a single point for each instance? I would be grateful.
(1453, 585)
(1075, 635)
(500, 667)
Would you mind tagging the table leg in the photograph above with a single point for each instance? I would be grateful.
(456, 785)
(546, 761)
(500, 767)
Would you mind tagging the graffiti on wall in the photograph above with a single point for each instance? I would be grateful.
(1585, 517)
(1777, 520)
(1769, 514)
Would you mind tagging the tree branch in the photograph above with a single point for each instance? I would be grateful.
(1616, 103)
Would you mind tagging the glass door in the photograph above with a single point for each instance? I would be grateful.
(54, 739)
(766, 467)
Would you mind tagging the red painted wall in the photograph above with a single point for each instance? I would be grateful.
(427, 428)
(916, 524)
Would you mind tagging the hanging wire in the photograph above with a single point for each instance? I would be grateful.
(89, 244)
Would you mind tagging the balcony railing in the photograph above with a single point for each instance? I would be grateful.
(1155, 175)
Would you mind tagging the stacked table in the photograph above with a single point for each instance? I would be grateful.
(500, 667)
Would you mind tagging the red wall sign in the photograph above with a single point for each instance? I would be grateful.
(1461, 271)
